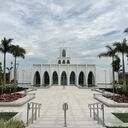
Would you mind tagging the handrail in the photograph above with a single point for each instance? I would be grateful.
(34, 108)
(94, 112)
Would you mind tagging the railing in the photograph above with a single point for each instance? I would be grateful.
(95, 110)
(33, 112)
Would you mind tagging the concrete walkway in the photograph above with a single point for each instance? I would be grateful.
(52, 113)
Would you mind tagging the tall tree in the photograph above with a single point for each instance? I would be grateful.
(122, 47)
(5, 47)
(17, 51)
(116, 64)
(110, 53)
(1, 73)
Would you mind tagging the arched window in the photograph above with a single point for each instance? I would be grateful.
(68, 61)
(36, 78)
(91, 79)
(63, 78)
(81, 78)
(63, 53)
(63, 62)
(46, 78)
(59, 61)
(72, 78)
(55, 77)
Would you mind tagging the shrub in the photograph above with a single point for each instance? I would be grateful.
(15, 124)
(11, 89)
(12, 124)
(2, 123)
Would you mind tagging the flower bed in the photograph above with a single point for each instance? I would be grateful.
(11, 97)
(118, 98)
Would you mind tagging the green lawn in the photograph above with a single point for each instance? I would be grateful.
(123, 117)
(7, 115)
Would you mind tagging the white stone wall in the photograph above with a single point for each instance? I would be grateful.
(102, 75)
(67, 68)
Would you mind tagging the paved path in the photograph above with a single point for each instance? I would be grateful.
(52, 113)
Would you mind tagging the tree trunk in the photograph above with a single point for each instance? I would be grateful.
(15, 71)
(113, 76)
(4, 82)
(123, 75)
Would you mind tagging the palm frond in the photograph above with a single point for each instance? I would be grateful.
(104, 54)
(126, 30)
(108, 47)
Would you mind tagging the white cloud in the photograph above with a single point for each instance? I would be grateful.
(43, 26)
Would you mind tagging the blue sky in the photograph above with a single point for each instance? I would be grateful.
(84, 26)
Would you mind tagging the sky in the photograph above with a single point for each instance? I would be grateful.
(85, 27)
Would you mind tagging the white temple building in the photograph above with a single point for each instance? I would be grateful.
(64, 70)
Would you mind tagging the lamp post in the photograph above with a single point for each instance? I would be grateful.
(105, 77)
(22, 76)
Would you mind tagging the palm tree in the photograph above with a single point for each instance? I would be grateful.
(122, 47)
(5, 47)
(17, 51)
(110, 53)
(1, 73)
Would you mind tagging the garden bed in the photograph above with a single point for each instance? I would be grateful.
(11, 89)
(118, 98)
(11, 97)
(108, 102)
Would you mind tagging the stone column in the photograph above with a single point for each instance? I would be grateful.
(86, 76)
(50, 75)
(77, 76)
(59, 77)
(41, 76)
(68, 75)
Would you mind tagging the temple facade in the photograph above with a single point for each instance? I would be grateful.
(64, 70)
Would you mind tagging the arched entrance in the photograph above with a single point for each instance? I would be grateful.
(81, 78)
(91, 79)
(63, 78)
(72, 78)
(36, 80)
(55, 77)
(46, 78)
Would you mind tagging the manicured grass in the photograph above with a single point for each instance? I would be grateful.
(122, 116)
(7, 115)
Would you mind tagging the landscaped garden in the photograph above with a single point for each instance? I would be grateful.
(11, 93)
(118, 96)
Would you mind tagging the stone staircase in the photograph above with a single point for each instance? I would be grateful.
(59, 123)
(50, 119)
(52, 114)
